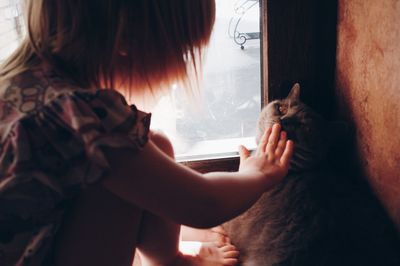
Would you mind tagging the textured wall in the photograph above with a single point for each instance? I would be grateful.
(368, 81)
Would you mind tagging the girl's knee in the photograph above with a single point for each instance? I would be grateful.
(162, 142)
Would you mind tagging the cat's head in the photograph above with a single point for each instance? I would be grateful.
(311, 133)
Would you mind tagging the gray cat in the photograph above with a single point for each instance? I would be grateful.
(303, 220)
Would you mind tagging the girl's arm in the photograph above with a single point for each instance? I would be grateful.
(153, 181)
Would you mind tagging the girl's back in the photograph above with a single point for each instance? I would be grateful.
(51, 134)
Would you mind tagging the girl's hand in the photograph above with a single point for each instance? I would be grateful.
(271, 160)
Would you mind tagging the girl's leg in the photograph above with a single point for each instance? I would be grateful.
(100, 229)
(158, 241)
(215, 234)
(158, 244)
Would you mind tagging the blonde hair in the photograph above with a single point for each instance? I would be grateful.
(131, 44)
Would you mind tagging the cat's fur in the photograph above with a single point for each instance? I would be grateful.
(310, 218)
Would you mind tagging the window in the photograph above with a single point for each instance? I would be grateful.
(11, 26)
(226, 113)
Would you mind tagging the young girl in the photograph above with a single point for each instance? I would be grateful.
(82, 180)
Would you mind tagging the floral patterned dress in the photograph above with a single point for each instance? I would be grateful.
(51, 139)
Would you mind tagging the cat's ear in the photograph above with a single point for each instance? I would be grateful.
(294, 93)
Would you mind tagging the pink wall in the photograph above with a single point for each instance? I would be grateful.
(368, 81)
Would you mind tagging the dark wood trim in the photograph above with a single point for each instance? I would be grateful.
(264, 52)
(214, 165)
(302, 48)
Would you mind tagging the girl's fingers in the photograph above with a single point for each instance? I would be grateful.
(263, 141)
(281, 145)
(273, 139)
(232, 254)
(287, 153)
(244, 153)
(227, 248)
(230, 262)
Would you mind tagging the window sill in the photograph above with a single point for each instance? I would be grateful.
(215, 155)
(229, 164)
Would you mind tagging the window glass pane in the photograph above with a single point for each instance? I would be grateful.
(11, 26)
(226, 114)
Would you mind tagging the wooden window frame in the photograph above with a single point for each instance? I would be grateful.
(298, 44)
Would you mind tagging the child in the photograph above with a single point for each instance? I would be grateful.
(82, 180)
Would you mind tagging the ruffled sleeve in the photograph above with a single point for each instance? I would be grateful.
(64, 138)
(49, 155)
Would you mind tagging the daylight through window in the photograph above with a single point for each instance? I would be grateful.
(231, 90)
(11, 26)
